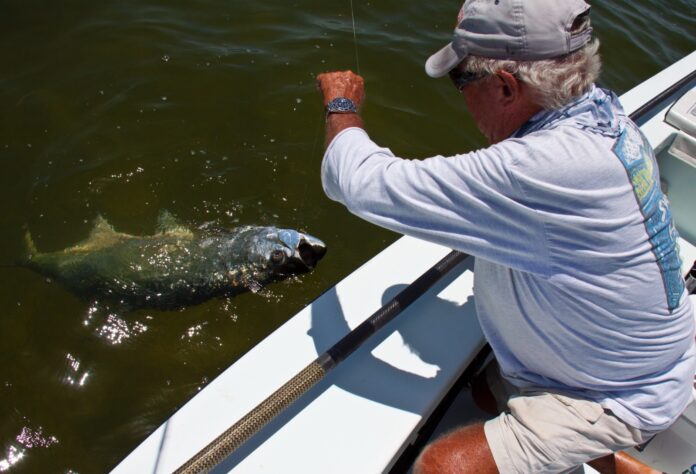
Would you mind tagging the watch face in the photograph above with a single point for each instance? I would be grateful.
(341, 104)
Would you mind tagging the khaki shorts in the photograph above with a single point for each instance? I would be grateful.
(545, 432)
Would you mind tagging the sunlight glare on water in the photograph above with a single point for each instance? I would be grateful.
(75, 376)
(116, 330)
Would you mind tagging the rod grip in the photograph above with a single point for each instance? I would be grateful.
(221, 447)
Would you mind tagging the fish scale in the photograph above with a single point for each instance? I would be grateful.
(176, 267)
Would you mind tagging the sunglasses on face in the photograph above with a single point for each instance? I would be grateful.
(461, 78)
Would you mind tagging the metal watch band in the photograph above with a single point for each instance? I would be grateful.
(340, 105)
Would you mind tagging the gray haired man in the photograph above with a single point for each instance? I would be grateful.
(577, 276)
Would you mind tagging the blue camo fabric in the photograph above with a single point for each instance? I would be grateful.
(637, 156)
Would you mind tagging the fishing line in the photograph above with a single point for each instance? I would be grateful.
(357, 67)
(355, 37)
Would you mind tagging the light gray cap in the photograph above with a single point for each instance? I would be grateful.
(520, 30)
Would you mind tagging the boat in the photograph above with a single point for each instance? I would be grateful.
(373, 411)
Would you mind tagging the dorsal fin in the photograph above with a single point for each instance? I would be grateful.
(101, 229)
(101, 235)
(31, 250)
(170, 225)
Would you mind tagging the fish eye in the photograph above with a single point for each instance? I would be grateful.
(277, 256)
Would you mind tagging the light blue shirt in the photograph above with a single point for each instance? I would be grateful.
(577, 280)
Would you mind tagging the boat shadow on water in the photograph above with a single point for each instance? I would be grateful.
(401, 354)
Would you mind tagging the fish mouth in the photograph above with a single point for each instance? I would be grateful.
(310, 250)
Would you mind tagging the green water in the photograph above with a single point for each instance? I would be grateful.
(207, 109)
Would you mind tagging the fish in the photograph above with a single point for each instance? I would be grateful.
(176, 266)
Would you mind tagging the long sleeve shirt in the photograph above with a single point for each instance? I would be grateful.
(577, 275)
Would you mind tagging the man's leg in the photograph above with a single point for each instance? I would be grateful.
(465, 450)
(462, 451)
(490, 392)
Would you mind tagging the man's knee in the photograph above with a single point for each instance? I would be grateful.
(464, 450)
(436, 457)
(427, 461)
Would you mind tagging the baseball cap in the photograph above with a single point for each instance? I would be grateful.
(521, 30)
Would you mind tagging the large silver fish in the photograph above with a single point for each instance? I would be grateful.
(176, 267)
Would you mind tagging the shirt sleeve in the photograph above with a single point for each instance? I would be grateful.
(469, 202)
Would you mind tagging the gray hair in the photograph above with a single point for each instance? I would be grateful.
(552, 82)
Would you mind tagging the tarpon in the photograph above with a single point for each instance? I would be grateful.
(176, 266)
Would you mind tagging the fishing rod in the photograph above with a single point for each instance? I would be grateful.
(225, 444)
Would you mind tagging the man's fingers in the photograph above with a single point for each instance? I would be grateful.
(341, 84)
(334, 75)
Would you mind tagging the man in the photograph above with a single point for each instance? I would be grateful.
(577, 275)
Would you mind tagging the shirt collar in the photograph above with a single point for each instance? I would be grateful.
(597, 111)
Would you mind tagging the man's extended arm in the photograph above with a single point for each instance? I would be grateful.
(341, 84)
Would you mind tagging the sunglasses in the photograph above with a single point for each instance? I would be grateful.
(461, 78)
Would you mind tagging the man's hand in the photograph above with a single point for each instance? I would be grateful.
(341, 84)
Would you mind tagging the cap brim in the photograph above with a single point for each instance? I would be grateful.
(442, 62)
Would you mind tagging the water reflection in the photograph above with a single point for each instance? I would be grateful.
(194, 331)
(74, 376)
(30, 438)
(12, 457)
(27, 439)
(116, 330)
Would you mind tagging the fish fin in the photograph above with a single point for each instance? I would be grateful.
(101, 228)
(249, 282)
(170, 225)
(29, 244)
(102, 235)
(254, 286)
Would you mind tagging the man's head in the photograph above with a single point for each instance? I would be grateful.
(520, 30)
(541, 48)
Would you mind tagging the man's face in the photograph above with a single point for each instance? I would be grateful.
(499, 103)
(471, 86)
(480, 98)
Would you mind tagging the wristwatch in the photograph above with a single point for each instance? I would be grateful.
(340, 105)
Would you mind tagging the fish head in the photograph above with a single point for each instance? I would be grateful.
(283, 251)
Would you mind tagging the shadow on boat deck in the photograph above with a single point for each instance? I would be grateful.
(403, 376)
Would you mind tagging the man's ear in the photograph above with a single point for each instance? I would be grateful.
(509, 87)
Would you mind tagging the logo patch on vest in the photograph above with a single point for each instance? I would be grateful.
(637, 156)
